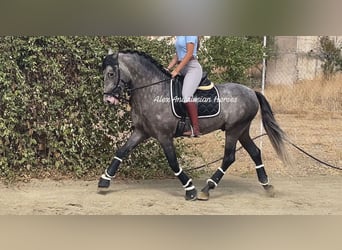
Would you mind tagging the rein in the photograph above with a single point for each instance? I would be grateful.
(130, 90)
(148, 85)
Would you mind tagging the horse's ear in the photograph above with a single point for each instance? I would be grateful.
(110, 52)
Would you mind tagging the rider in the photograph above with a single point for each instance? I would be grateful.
(188, 66)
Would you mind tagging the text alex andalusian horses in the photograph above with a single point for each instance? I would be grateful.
(146, 80)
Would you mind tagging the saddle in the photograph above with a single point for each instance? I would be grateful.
(206, 96)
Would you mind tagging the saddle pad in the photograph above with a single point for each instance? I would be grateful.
(207, 101)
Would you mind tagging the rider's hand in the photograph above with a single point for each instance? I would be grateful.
(174, 73)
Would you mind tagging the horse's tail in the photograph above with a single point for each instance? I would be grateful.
(274, 132)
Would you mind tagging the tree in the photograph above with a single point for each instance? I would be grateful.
(330, 54)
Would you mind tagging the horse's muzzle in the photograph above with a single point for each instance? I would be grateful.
(111, 100)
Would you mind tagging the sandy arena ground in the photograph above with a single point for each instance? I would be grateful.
(306, 188)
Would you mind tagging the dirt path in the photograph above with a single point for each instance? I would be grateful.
(320, 195)
(304, 188)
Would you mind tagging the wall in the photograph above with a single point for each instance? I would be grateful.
(295, 60)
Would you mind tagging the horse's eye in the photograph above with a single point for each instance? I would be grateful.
(110, 74)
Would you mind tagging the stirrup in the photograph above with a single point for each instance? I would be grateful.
(190, 133)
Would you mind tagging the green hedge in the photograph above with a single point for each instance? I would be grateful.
(52, 117)
(231, 57)
(53, 121)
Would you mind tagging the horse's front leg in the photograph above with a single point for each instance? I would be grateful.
(136, 137)
(170, 153)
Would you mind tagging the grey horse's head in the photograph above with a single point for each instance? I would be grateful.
(113, 84)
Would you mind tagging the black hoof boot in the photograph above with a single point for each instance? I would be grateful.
(103, 183)
(269, 190)
(191, 195)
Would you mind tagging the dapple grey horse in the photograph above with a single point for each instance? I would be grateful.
(145, 80)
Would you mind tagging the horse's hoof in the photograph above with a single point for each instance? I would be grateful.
(269, 190)
(103, 183)
(203, 196)
(191, 195)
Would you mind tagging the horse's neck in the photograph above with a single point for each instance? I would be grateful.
(140, 71)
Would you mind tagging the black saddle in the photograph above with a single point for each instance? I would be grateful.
(206, 96)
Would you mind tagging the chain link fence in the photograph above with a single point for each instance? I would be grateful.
(295, 59)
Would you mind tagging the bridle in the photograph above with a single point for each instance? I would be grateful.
(110, 61)
(114, 93)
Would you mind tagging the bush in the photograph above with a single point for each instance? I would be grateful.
(227, 58)
(330, 54)
(52, 117)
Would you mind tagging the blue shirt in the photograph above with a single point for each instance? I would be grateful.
(180, 45)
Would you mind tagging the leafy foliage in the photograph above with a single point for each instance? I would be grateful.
(227, 58)
(52, 117)
(330, 54)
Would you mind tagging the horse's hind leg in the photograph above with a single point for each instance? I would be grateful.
(255, 154)
(228, 159)
(109, 173)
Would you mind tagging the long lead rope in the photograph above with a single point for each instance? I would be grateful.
(312, 157)
(289, 142)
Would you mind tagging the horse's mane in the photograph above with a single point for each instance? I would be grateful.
(148, 58)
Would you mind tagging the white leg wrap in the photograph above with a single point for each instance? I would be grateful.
(108, 176)
(190, 188)
(105, 177)
(221, 170)
(210, 180)
(117, 158)
(260, 166)
(179, 172)
(190, 180)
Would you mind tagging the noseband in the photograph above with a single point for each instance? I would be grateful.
(112, 61)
